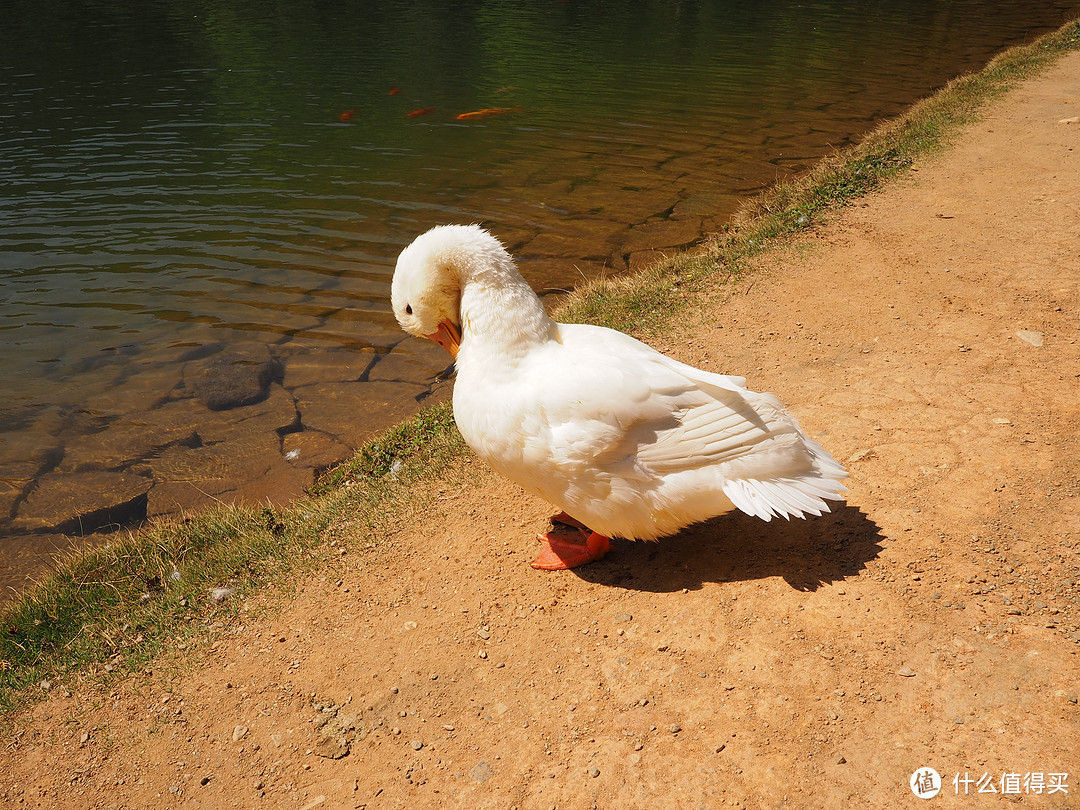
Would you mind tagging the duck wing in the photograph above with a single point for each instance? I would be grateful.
(650, 418)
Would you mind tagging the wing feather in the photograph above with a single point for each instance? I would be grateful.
(614, 410)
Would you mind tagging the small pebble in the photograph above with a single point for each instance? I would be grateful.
(906, 672)
(674, 728)
(840, 760)
(417, 745)
(239, 733)
(594, 772)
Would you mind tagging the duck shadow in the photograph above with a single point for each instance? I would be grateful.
(806, 553)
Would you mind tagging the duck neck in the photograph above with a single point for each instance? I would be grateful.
(500, 311)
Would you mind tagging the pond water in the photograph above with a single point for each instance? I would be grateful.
(201, 202)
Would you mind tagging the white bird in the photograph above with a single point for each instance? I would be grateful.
(624, 440)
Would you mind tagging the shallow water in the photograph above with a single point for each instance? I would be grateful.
(201, 203)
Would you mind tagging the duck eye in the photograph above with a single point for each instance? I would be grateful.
(408, 309)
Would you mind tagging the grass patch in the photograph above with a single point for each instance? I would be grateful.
(117, 605)
(115, 608)
(641, 303)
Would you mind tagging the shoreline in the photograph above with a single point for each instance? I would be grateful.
(94, 462)
(923, 405)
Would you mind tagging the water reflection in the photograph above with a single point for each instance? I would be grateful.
(179, 198)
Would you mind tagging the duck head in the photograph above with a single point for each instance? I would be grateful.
(426, 290)
(457, 282)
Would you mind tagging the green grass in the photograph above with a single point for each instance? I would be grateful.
(114, 609)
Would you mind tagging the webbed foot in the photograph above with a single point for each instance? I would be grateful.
(559, 552)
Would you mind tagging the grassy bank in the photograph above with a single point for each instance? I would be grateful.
(114, 609)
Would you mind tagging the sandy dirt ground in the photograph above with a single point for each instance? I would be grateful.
(928, 337)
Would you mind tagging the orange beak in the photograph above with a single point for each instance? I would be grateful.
(448, 336)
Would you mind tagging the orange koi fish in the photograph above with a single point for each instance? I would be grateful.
(424, 111)
(347, 116)
(485, 113)
(394, 90)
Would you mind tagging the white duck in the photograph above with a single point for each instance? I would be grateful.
(627, 442)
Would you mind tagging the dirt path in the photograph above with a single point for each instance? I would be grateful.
(928, 337)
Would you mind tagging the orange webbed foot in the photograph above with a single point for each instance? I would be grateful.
(559, 552)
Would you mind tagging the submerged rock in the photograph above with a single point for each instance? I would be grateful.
(319, 366)
(311, 449)
(353, 412)
(83, 502)
(231, 379)
(132, 438)
(247, 467)
(656, 234)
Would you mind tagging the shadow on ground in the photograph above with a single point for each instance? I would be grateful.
(806, 553)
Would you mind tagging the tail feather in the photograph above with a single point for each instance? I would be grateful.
(783, 497)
